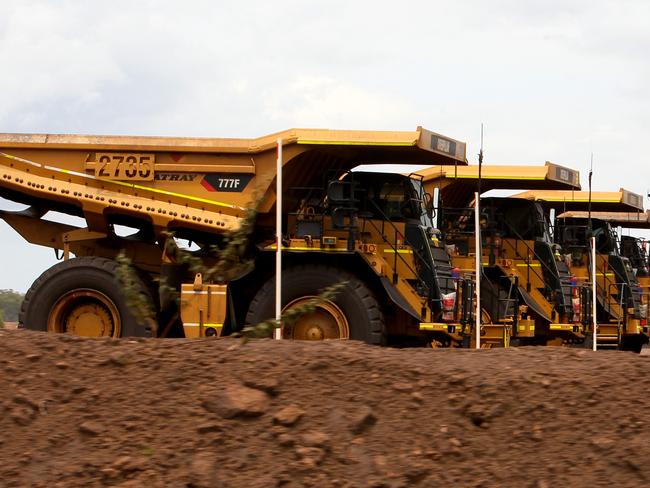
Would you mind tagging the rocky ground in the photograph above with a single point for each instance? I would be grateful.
(219, 412)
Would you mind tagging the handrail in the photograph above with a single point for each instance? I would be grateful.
(385, 219)
(520, 238)
(516, 250)
(381, 232)
(541, 277)
(507, 301)
(394, 247)
(640, 257)
(607, 295)
(623, 314)
(530, 268)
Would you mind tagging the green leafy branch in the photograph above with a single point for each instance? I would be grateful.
(230, 260)
(136, 300)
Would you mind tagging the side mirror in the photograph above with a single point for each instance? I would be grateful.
(341, 192)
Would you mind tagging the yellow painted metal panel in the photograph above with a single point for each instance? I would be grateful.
(435, 326)
(202, 308)
(420, 138)
(578, 200)
(632, 220)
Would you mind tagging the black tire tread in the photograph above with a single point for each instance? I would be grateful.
(108, 265)
(376, 333)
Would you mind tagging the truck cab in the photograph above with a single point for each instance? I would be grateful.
(385, 220)
(619, 298)
(623, 289)
(522, 287)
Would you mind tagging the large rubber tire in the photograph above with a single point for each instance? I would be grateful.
(358, 304)
(95, 276)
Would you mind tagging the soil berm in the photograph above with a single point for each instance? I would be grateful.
(221, 412)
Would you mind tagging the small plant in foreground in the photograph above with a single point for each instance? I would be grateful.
(138, 304)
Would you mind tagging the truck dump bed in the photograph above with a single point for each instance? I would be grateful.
(200, 184)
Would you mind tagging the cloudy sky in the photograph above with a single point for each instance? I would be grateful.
(551, 80)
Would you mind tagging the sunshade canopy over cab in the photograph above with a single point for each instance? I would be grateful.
(458, 184)
(562, 201)
(627, 220)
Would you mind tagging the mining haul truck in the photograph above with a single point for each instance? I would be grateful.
(632, 247)
(622, 281)
(525, 293)
(371, 233)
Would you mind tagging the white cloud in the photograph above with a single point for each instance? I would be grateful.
(552, 80)
(316, 101)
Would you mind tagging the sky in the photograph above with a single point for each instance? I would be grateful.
(550, 80)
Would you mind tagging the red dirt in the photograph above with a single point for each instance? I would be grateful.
(218, 412)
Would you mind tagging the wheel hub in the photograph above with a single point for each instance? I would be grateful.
(327, 321)
(89, 320)
(85, 312)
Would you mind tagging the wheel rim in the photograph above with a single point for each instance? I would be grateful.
(84, 312)
(327, 321)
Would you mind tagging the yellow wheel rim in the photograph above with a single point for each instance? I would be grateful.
(84, 312)
(327, 321)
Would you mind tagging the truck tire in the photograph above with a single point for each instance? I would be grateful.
(353, 313)
(82, 296)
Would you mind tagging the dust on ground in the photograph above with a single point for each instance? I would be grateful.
(219, 412)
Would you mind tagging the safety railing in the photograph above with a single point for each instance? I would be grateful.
(463, 227)
(636, 250)
(397, 256)
(608, 284)
(530, 255)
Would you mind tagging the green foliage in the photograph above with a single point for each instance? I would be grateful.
(2, 322)
(288, 317)
(137, 302)
(10, 302)
(229, 260)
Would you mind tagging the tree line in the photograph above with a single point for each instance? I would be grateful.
(10, 302)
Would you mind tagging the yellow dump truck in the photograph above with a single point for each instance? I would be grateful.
(632, 247)
(370, 231)
(523, 291)
(622, 281)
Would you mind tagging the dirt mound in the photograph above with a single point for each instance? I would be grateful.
(222, 413)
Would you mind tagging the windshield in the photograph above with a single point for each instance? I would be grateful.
(393, 197)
